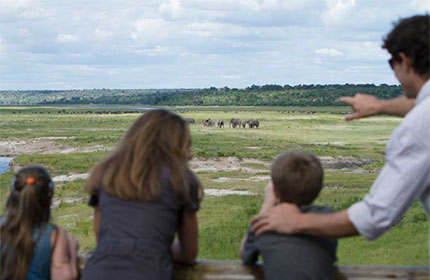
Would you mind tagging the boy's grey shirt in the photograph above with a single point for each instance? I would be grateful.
(294, 257)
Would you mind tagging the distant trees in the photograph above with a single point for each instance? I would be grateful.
(254, 95)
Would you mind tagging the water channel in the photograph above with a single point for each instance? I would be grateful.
(4, 164)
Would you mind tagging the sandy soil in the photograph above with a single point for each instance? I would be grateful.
(216, 192)
(42, 145)
(46, 145)
(225, 164)
(329, 162)
(57, 202)
(70, 177)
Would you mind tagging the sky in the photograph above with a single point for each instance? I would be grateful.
(147, 44)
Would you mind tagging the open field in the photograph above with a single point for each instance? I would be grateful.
(232, 164)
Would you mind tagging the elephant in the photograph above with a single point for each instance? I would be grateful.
(190, 121)
(209, 123)
(235, 122)
(253, 123)
(220, 123)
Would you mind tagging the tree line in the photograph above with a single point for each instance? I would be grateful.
(254, 95)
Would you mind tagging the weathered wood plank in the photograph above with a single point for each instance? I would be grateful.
(235, 270)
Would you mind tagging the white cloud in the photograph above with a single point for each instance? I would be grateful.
(172, 9)
(17, 4)
(150, 30)
(200, 43)
(157, 50)
(66, 38)
(337, 10)
(24, 9)
(214, 29)
(100, 34)
(328, 52)
(2, 46)
(423, 5)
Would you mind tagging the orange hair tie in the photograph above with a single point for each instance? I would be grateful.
(30, 180)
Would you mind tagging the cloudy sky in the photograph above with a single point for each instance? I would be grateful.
(81, 44)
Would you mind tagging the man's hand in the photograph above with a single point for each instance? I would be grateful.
(283, 218)
(363, 106)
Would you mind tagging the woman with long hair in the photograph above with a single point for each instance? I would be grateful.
(142, 194)
(32, 247)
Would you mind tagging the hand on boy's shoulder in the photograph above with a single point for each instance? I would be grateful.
(282, 218)
(316, 209)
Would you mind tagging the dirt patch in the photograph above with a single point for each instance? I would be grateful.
(225, 164)
(54, 138)
(250, 179)
(331, 143)
(343, 162)
(217, 192)
(364, 171)
(70, 177)
(57, 202)
(43, 145)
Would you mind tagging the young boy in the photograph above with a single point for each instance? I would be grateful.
(296, 178)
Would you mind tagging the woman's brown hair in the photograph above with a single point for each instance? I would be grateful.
(27, 208)
(158, 139)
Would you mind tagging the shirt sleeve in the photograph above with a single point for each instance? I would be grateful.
(250, 250)
(401, 182)
(193, 203)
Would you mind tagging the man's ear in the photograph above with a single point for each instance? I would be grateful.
(405, 59)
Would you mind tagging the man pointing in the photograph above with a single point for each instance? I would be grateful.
(405, 177)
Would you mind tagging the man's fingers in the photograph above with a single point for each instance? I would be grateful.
(262, 230)
(346, 99)
(261, 226)
(352, 116)
(258, 222)
(256, 218)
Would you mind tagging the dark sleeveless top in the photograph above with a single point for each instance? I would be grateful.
(135, 237)
(40, 267)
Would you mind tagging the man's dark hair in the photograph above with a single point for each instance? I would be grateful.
(297, 177)
(411, 36)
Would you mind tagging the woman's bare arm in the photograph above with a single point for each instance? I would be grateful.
(185, 248)
(97, 218)
(64, 256)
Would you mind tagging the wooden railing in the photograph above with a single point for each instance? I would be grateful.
(235, 270)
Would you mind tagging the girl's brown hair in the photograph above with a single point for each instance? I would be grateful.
(158, 139)
(27, 208)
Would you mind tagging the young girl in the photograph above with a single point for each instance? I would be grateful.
(143, 193)
(31, 247)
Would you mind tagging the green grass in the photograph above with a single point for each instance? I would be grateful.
(58, 164)
(224, 220)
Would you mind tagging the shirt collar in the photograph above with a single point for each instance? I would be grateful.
(423, 93)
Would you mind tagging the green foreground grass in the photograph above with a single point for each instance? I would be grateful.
(224, 220)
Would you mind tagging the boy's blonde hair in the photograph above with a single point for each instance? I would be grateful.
(297, 177)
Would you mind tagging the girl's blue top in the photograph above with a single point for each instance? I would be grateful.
(40, 267)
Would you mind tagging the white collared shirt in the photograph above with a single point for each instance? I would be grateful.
(405, 177)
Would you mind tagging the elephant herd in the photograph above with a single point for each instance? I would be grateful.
(234, 123)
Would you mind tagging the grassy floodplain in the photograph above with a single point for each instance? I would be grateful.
(70, 140)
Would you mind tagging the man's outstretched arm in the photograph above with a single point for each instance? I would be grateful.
(364, 105)
(286, 218)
